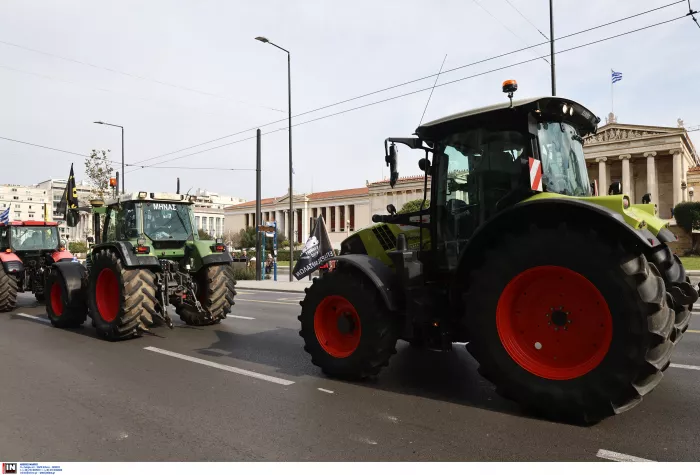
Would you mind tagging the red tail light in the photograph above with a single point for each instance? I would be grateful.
(220, 248)
(142, 249)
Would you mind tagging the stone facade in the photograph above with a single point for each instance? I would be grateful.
(644, 159)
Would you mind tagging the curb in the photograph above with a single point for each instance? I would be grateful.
(286, 291)
(693, 273)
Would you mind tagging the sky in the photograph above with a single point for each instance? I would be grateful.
(177, 73)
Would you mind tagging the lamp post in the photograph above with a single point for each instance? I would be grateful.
(114, 125)
(291, 190)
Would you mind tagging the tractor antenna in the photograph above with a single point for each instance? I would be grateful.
(431, 91)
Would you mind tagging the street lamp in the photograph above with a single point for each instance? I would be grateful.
(114, 125)
(262, 39)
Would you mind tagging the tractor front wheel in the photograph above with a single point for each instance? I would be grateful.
(122, 301)
(216, 289)
(568, 324)
(347, 329)
(8, 291)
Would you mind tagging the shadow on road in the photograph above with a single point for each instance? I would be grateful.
(450, 376)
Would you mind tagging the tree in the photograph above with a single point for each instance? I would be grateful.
(414, 205)
(98, 170)
(77, 247)
(204, 236)
(244, 239)
(687, 216)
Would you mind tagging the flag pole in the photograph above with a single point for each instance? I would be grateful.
(612, 95)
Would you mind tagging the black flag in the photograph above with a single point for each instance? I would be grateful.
(317, 250)
(68, 206)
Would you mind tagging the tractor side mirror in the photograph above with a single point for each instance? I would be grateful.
(391, 209)
(424, 165)
(392, 159)
(615, 188)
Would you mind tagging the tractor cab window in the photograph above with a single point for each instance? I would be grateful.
(476, 170)
(34, 238)
(4, 238)
(167, 221)
(563, 164)
(110, 226)
(126, 222)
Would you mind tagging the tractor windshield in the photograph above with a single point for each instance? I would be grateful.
(34, 238)
(167, 221)
(563, 163)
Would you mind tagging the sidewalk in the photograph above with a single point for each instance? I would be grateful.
(282, 285)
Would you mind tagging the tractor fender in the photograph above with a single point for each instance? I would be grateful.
(218, 258)
(74, 278)
(11, 263)
(381, 275)
(125, 250)
(549, 212)
(61, 255)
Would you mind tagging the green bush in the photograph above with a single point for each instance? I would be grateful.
(687, 215)
(244, 274)
(77, 247)
(414, 205)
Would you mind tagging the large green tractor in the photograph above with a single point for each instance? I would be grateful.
(147, 257)
(570, 302)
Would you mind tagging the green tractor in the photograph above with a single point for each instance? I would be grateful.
(147, 256)
(570, 302)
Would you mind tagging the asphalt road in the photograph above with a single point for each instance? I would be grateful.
(245, 390)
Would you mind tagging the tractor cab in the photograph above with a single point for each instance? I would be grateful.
(489, 159)
(33, 239)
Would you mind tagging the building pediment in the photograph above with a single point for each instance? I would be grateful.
(618, 132)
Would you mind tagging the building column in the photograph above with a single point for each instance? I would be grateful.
(684, 167)
(347, 218)
(338, 220)
(305, 222)
(626, 176)
(651, 176)
(602, 176)
(677, 176)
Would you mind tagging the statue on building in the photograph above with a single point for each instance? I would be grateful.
(612, 119)
(680, 124)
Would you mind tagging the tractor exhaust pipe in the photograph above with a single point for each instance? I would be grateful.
(178, 186)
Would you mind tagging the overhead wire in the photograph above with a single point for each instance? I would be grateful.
(44, 146)
(692, 13)
(362, 96)
(527, 20)
(504, 25)
(132, 75)
(413, 92)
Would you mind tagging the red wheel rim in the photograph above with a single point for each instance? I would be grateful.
(337, 326)
(56, 300)
(554, 322)
(107, 295)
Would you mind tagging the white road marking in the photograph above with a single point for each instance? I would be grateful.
(231, 369)
(618, 457)
(693, 331)
(685, 366)
(240, 316)
(326, 390)
(33, 317)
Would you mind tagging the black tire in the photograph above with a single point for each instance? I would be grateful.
(379, 327)
(122, 302)
(216, 289)
(8, 291)
(681, 295)
(640, 345)
(64, 311)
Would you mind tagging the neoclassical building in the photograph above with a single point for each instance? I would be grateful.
(343, 211)
(645, 159)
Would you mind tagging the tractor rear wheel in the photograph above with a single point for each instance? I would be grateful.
(8, 291)
(63, 311)
(568, 324)
(347, 329)
(122, 301)
(216, 289)
(680, 294)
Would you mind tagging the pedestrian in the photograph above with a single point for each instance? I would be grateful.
(268, 264)
(245, 256)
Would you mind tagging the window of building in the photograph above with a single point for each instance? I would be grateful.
(198, 221)
(14, 189)
(30, 198)
(18, 206)
(30, 206)
(15, 197)
(31, 215)
(18, 215)
(351, 212)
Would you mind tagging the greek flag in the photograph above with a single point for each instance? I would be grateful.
(5, 216)
(616, 76)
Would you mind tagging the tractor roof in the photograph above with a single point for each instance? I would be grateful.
(151, 196)
(30, 223)
(547, 105)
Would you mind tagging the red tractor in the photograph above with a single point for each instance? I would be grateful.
(27, 250)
